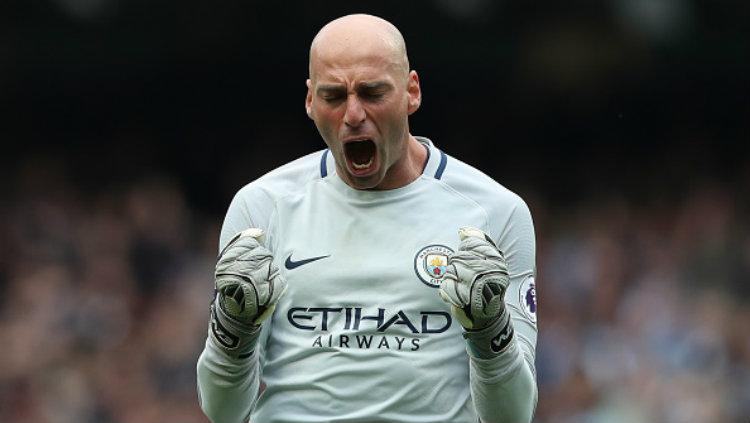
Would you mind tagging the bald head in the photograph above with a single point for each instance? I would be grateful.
(359, 37)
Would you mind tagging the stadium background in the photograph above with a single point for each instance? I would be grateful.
(127, 125)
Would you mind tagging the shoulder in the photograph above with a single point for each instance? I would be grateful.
(254, 203)
(286, 179)
(480, 188)
(509, 220)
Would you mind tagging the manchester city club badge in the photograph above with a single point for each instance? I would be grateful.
(527, 298)
(431, 263)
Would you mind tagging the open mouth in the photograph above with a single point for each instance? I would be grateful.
(361, 155)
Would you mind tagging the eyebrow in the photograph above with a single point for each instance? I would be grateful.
(370, 86)
(330, 88)
(373, 85)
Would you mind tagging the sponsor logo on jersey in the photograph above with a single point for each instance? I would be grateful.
(355, 327)
(527, 298)
(431, 263)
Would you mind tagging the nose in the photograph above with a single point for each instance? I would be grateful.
(355, 113)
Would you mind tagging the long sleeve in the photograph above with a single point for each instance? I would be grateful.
(227, 388)
(504, 388)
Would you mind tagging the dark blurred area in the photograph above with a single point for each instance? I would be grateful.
(127, 126)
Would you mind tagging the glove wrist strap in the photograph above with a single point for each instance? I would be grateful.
(234, 338)
(492, 340)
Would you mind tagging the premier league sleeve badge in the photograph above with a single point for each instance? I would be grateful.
(527, 298)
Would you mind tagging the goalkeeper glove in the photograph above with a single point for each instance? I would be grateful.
(247, 287)
(474, 285)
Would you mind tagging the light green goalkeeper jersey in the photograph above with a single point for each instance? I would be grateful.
(361, 334)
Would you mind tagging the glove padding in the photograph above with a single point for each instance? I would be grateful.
(475, 281)
(248, 286)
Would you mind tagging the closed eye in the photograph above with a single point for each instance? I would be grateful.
(372, 96)
(332, 98)
(374, 91)
(331, 94)
(370, 91)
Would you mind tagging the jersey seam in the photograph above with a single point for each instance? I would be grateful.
(455, 192)
(300, 191)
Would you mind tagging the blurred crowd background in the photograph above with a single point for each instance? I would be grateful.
(128, 125)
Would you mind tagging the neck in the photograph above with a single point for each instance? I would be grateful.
(408, 168)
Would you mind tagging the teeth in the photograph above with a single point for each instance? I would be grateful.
(362, 166)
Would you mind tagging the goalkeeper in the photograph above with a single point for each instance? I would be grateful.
(379, 280)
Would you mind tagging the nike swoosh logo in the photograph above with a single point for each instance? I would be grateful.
(291, 264)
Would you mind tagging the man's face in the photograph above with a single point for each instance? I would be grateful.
(360, 105)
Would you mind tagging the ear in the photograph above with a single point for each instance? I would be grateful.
(414, 91)
(308, 99)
